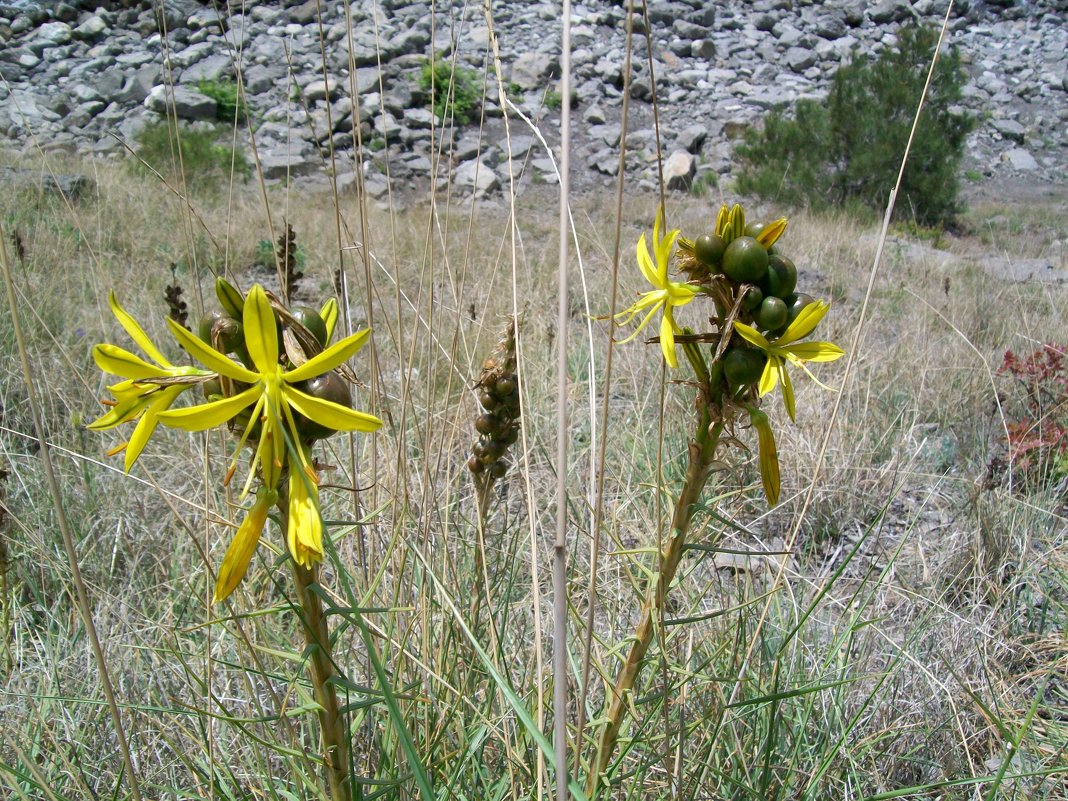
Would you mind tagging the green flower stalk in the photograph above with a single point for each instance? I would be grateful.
(758, 320)
(271, 376)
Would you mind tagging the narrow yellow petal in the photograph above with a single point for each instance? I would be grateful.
(261, 334)
(239, 554)
(787, 390)
(305, 534)
(209, 415)
(771, 232)
(117, 361)
(329, 313)
(123, 412)
(332, 415)
(770, 377)
(645, 262)
(768, 455)
(722, 218)
(750, 334)
(209, 357)
(815, 351)
(335, 355)
(807, 320)
(133, 328)
(667, 339)
(146, 426)
(645, 321)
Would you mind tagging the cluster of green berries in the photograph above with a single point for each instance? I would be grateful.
(498, 425)
(752, 282)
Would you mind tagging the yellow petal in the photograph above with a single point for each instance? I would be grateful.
(771, 232)
(667, 339)
(239, 554)
(787, 390)
(656, 304)
(116, 361)
(211, 358)
(124, 411)
(146, 426)
(330, 414)
(133, 328)
(261, 334)
(645, 262)
(750, 334)
(305, 534)
(768, 455)
(209, 415)
(335, 355)
(721, 220)
(770, 377)
(807, 320)
(815, 351)
(329, 313)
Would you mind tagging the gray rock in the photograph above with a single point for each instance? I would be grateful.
(476, 175)
(52, 34)
(890, 11)
(261, 78)
(517, 146)
(206, 18)
(72, 186)
(321, 90)
(679, 170)
(693, 138)
(419, 118)
(139, 84)
(1020, 159)
(830, 26)
(800, 59)
(213, 68)
(594, 115)
(188, 104)
(277, 165)
(92, 29)
(1010, 129)
(532, 70)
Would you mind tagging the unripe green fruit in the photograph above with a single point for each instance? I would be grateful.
(743, 366)
(781, 278)
(771, 314)
(753, 298)
(745, 260)
(709, 250)
(221, 331)
(310, 319)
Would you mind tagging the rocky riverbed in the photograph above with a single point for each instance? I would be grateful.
(85, 75)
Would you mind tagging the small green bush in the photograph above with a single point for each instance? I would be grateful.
(455, 90)
(849, 147)
(206, 154)
(229, 105)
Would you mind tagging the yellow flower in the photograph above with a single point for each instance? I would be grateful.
(148, 390)
(275, 401)
(272, 392)
(787, 349)
(239, 554)
(666, 295)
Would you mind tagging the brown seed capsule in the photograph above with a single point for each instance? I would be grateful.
(486, 424)
(488, 400)
(498, 469)
(505, 386)
(510, 436)
(489, 365)
(475, 465)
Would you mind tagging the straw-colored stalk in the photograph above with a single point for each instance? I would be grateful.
(322, 670)
(702, 452)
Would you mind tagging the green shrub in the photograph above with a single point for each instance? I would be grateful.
(849, 147)
(229, 105)
(206, 154)
(455, 90)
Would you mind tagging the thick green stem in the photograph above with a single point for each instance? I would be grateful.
(321, 668)
(702, 452)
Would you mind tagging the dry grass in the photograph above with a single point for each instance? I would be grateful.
(917, 640)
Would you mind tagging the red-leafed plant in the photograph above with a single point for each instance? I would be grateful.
(1038, 436)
